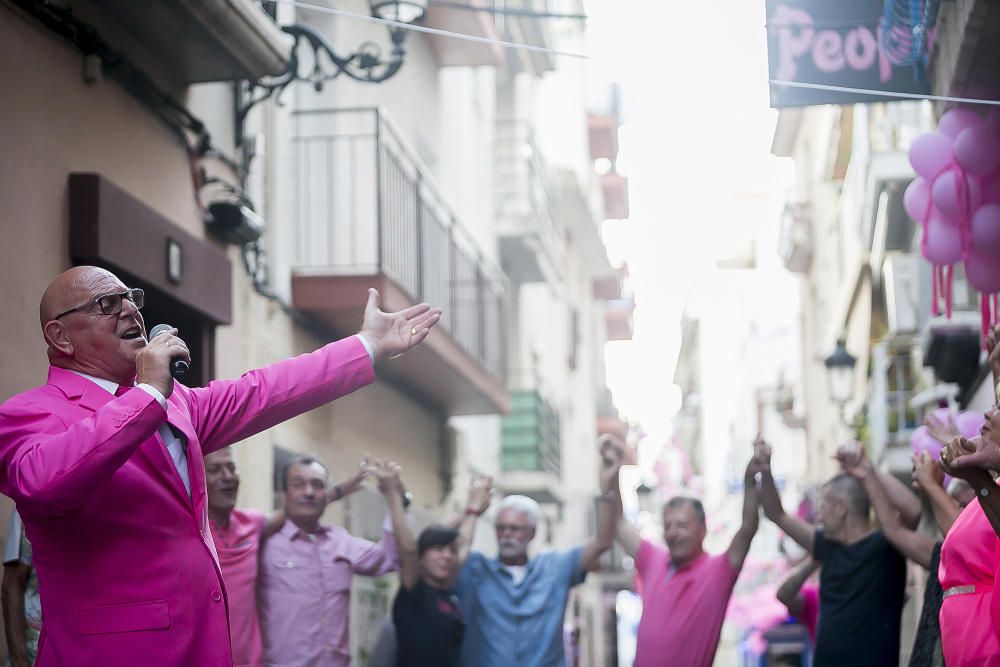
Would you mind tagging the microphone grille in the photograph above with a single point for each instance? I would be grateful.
(158, 329)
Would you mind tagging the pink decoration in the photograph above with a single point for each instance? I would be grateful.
(930, 154)
(921, 440)
(970, 423)
(977, 150)
(991, 188)
(942, 242)
(983, 272)
(954, 200)
(917, 199)
(953, 122)
(986, 230)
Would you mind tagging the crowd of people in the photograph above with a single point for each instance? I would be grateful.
(134, 549)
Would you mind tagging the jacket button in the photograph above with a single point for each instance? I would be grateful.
(217, 596)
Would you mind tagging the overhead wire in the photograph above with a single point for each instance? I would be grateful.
(431, 31)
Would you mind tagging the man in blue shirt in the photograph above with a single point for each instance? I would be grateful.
(514, 606)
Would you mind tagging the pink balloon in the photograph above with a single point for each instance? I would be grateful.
(970, 423)
(991, 188)
(930, 154)
(953, 122)
(921, 440)
(944, 193)
(983, 272)
(986, 230)
(942, 243)
(977, 149)
(917, 199)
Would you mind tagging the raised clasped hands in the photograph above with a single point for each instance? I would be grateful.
(970, 459)
(612, 452)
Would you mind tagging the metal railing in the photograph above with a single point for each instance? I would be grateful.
(523, 181)
(366, 204)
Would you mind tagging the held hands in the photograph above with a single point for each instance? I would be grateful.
(760, 462)
(480, 495)
(386, 474)
(612, 457)
(926, 474)
(970, 459)
(391, 334)
(993, 349)
(350, 485)
(152, 363)
(854, 460)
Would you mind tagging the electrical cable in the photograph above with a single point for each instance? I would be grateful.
(431, 31)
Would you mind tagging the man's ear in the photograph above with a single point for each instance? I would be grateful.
(57, 338)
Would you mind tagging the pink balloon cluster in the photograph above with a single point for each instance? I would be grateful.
(956, 197)
(968, 423)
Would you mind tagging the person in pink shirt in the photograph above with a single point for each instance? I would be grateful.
(306, 573)
(105, 464)
(685, 591)
(801, 596)
(238, 535)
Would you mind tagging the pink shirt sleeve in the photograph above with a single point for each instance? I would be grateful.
(647, 557)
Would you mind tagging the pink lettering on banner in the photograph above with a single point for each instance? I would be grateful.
(831, 52)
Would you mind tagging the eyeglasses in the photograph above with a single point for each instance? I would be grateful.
(110, 304)
(507, 527)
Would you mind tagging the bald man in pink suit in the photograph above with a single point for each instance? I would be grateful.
(105, 465)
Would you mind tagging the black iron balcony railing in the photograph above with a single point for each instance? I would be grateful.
(367, 205)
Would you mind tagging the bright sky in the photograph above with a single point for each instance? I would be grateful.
(697, 134)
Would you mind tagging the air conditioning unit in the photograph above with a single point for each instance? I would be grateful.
(901, 278)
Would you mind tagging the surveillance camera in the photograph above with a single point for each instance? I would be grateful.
(233, 221)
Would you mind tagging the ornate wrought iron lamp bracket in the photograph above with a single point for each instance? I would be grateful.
(366, 65)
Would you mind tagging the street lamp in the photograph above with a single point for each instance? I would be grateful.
(398, 10)
(840, 375)
(644, 493)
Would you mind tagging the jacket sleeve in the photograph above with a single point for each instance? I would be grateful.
(49, 468)
(227, 411)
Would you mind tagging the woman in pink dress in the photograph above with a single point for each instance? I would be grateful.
(970, 613)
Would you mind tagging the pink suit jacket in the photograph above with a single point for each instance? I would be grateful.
(127, 569)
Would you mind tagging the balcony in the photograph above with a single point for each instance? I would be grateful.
(603, 132)
(614, 187)
(530, 441)
(369, 215)
(531, 235)
(205, 40)
(618, 319)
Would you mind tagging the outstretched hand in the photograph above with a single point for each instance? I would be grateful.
(391, 334)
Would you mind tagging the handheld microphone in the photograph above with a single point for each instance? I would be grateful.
(178, 367)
